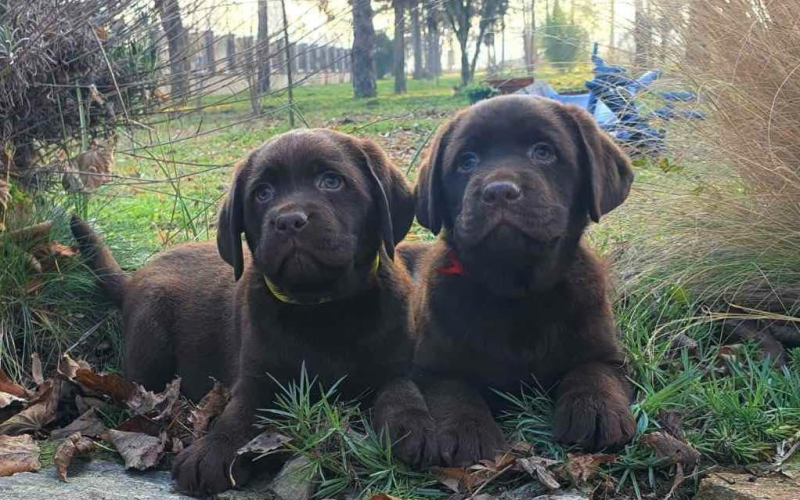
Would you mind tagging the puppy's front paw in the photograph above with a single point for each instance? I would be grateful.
(593, 421)
(205, 467)
(468, 439)
(413, 435)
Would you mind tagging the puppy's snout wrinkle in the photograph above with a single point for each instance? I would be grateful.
(501, 192)
(291, 223)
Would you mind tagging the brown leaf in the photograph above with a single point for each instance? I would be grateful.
(142, 401)
(7, 399)
(209, 407)
(9, 386)
(383, 496)
(68, 367)
(88, 424)
(36, 369)
(265, 442)
(5, 195)
(537, 467)
(582, 468)
(40, 412)
(461, 480)
(18, 454)
(140, 424)
(672, 422)
(86, 403)
(672, 450)
(71, 447)
(106, 384)
(139, 451)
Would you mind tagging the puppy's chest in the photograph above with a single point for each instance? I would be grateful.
(503, 343)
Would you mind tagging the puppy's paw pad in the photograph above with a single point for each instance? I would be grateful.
(204, 467)
(413, 435)
(467, 441)
(593, 422)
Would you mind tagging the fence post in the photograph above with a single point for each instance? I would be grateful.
(211, 62)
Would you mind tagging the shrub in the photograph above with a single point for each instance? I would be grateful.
(479, 91)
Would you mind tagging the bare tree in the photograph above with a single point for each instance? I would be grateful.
(262, 48)
(180, 66)
(642, 34)
(363, 74)
(434, 59)
(416, 38)
(399, 46)
(460, 14)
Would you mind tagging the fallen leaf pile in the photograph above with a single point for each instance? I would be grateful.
(69, 406)
(41, 253)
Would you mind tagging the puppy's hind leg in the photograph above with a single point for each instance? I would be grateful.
(149, 352)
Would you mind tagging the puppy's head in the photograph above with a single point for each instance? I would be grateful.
(516, 179)
(313, 205)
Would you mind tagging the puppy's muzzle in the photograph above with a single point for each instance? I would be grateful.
(291, 223)
(501, 193)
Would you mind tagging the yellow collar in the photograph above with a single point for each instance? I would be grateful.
(288, 299)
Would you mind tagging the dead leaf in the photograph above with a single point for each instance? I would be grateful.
(384, 496)
(140, 424)
(71, 447)
(36, 369)
(582, 468)
(672, 422)
(671, 449)
(107, 384)
(9, 386)
(537, 467)
(88, 424)
(68, 367)
(177, 445)
(40, 412)
(139, 451)
(209, 407)
(5, 195)
(459, 479)
(265, 442)
(7, 399)
(86, 403)
(18, 454)
(141, 401)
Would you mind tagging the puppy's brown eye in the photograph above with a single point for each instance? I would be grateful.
(330, 181)
(468, 161)
(542, 152)
(265, 193)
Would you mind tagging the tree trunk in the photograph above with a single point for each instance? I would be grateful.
(180, 65)
(416, 39)
(262, 48)
(399, 47)
(533, 37)
(363, 55)
(466, 75)
(434, 59)
(211, 60)
(611, 37)
(642, 35)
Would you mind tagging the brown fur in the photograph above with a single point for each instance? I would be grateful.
(532, 299)
(185, 314)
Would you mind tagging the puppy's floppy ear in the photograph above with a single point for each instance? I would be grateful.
(608, 171)
(230, 221)
(431, 206)
(392, 192)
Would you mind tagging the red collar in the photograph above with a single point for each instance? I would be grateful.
(454, 265)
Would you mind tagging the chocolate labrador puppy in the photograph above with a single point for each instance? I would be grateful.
(320, 212)
(509, 290)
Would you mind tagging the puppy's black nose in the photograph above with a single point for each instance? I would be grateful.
(501, 192)
(293, 222)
